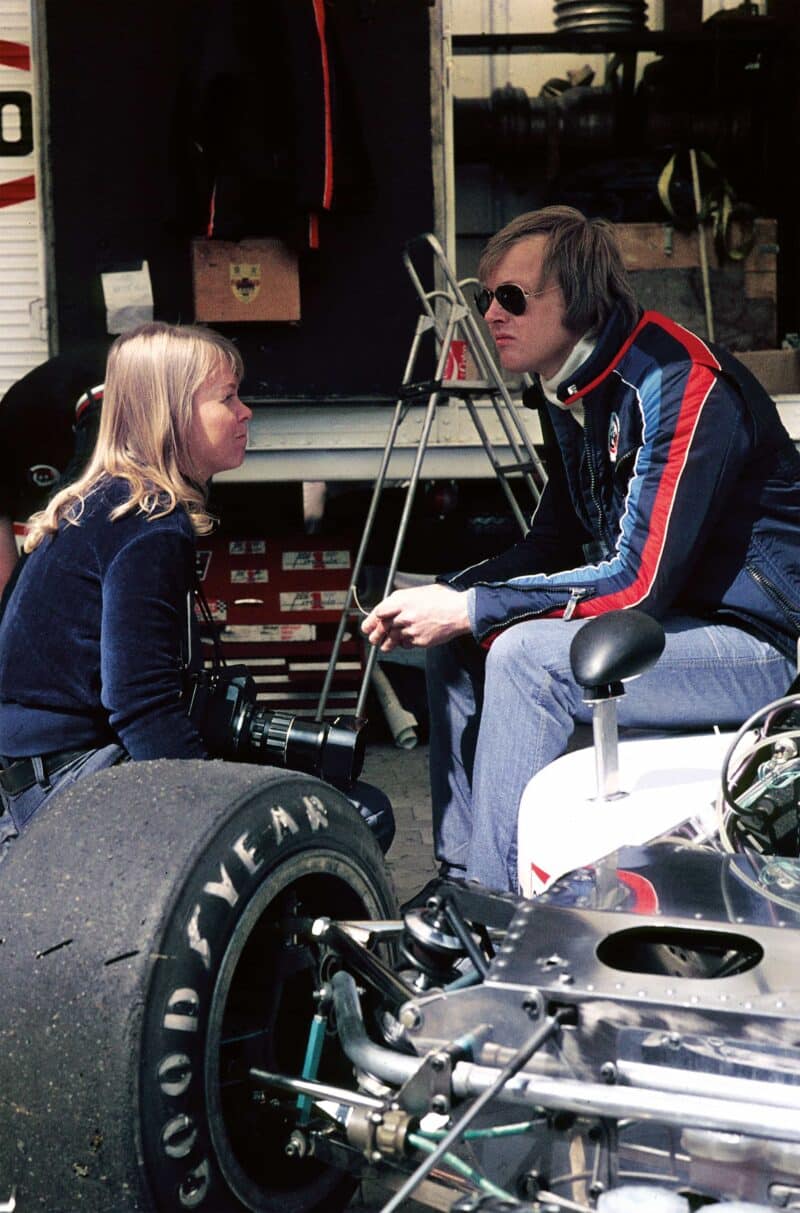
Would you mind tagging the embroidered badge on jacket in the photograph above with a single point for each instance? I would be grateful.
(613, 437)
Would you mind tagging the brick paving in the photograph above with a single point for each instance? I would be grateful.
(403, 775)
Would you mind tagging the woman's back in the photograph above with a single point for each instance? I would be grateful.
(60, 688)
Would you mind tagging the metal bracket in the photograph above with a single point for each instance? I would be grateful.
(429, 1088)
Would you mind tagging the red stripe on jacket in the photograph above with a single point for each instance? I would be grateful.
(700, 380)
(695, 348)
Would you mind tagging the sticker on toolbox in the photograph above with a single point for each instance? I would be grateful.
(218, 608)
(253, 547)
(282, 632)
(316, 559)
(313, 600)
(249, 576)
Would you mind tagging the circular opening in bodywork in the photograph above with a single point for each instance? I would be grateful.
(688, 952)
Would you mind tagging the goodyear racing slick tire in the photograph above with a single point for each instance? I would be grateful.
(143, 972)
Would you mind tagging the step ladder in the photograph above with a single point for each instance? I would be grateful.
(446, 316)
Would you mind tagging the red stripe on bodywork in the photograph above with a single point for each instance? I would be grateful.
(645, 897)
(21, 190)
(15, 54)
(327, 191)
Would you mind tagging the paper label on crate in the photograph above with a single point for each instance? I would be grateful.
(313, 600)
(249, 576)
(243, 547)
(283, 633)
(324, 558)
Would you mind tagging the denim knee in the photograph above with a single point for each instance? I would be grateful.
(375, 810)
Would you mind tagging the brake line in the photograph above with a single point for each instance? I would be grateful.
(420, 1142)
(494, 1131)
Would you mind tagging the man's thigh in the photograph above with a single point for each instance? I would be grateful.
(709, 674)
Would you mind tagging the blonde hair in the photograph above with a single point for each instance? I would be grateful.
(585, 256)
(152, 375)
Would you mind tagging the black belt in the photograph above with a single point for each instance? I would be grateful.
(20, 775)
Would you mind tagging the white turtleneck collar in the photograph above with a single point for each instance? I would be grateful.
(579, 354)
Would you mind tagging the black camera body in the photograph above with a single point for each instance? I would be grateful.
(221, 703)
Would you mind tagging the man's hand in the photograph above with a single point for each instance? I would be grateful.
(417, 618)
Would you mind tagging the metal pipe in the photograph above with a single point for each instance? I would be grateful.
(363, 962)
(753, 1119)
(606, 751)
(315, 1090)
(723, 1086)
(387, 1064)
(461, 928)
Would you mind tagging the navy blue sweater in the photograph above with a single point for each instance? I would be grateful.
(92, 637)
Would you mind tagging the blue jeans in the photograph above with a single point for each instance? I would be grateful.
(376, 810)
(18, 810)
(498, 717)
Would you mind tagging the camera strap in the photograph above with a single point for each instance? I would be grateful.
(197, 595)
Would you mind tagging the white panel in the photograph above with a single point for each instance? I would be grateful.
(23, 332)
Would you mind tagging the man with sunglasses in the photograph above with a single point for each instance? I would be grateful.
(672, 487)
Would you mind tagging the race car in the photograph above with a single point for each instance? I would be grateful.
(210, 999)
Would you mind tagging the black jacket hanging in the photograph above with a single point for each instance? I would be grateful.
(271, 121)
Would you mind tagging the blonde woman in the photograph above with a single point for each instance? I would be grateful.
(93, 636)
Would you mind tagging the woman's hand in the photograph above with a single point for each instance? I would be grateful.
(417, 618)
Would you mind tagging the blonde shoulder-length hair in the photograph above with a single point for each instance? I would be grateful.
(152, 375)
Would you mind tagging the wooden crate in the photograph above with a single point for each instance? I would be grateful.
(665, 267)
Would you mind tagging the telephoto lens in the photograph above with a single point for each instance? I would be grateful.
(222, 705)
(334, 752)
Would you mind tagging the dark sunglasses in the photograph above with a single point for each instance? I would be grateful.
(512, 298)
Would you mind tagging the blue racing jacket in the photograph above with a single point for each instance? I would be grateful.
(680, 493)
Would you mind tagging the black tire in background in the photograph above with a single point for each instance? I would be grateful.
(142, 973)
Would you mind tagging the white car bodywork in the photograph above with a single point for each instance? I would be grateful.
(664, 780)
